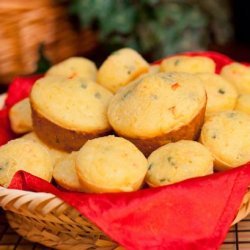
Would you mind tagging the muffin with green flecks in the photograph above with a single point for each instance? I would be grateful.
(74, 67)
(27, 155)
(178, 161)
(120, 68)
(221, 95)
(110, 164)
(68, 112)
(159, 108)
(239, 75)
(227, 136)
(243, 103)
(20, 117)
(188, 64)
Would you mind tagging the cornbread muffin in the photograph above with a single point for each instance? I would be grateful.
(65, 173)
(110, 164)
(243, 103)
(239, 75)
(188, 64)
(178, 161)
(68, 112)
(21, 154)
(54, 153)
(74, 67)
(221, 95)
(20, 117)
(227, 136)
(120, 68)
(159, 108)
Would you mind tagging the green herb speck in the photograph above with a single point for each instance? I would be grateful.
(162, 179)
(170, 160)
(98, 95)
(221, 91)
(126, 94)
(130, 69)
(83, 85)
(150, 166)
(166, 77)
(176, 62)
(154, 97)
(231, 114)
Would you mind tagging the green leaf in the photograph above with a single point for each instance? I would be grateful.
(43, 64)
(159, 27)
(121, 21)
(89, 11)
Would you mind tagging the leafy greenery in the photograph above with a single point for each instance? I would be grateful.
(154, 27)
(43, 64)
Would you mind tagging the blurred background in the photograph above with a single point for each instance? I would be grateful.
(36, 34)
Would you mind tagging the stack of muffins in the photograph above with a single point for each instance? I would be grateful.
(128, 123)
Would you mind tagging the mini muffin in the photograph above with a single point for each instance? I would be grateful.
(178, 161)
(188, 64)
(20, 117)
(221, 95)
(110, 164)
(227, 136)
(68, 112)
(74, 67)
(65, 173)
(158, 109)
(120, 68)
(239, 75)
(21, 154)
(54, 153)
(243, 103)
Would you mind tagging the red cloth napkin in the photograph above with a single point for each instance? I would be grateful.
(191, 215)
(18, 90)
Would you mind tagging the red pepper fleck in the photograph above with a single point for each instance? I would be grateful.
(74, 74)
(175, 86)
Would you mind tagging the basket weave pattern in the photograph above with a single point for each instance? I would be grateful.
(25, 25)
(44, 218)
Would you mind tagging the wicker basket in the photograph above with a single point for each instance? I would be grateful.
(26, 24)
(46, 219)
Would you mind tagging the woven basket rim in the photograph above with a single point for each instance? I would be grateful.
(14, 194)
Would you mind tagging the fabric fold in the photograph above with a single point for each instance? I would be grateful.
(191, 215)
